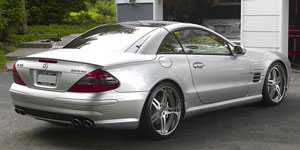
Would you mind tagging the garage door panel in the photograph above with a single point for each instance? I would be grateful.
(129, 12)
(264, 49)
(261, 23)
(262, 39)
(259, 7)
(265, 25)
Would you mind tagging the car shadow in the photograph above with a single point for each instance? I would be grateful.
(217, 128)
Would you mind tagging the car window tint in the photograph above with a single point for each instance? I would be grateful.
(116, 37)
(170, 45)
(196, 41)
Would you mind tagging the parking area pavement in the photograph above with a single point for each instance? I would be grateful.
(249, 127)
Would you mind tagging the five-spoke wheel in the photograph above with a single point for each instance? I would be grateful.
(162, 111)
(275, 84)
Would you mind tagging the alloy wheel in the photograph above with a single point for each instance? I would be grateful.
(276, 83)
(165, 111)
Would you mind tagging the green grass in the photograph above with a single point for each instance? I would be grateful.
(3, 60)
(39, 32)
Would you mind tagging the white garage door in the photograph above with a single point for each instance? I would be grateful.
(265, 25)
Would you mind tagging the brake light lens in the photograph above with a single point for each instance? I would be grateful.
(96, 81)
(16, 76)
(47, 61)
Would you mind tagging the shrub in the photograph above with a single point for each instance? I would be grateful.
(100, 12)
(52, 11)
(10, 15)
(3, 60)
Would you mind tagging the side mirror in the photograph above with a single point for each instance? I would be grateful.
(239, 50)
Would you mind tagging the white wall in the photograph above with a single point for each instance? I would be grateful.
(265, 25)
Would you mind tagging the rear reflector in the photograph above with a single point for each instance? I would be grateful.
(47, 61)
(16, 76)
(96, 81)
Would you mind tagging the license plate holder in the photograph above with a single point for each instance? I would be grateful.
(46, 78)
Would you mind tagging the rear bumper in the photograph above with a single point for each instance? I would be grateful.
(107, 110)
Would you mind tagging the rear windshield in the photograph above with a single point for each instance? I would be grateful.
(110, 37)
(224, 12)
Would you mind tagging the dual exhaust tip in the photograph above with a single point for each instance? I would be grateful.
(86, 123)
(75, 122)
(20, 111)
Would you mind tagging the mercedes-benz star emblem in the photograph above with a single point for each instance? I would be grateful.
(45, 66)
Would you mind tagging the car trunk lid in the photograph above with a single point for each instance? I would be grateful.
(59, 70)
(59, 76)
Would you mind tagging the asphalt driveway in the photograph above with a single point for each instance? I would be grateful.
(250, 127)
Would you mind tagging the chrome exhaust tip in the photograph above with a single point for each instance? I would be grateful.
(17, 111)
(88, 123)
(76, 122)
(20, 111)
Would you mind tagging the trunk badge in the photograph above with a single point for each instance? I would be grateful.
(45, 66)
(78, 71)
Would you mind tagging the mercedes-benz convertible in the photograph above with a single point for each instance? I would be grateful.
(145, 75)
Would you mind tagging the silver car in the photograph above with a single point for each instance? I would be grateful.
(145, 75)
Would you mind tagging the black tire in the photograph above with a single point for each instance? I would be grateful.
(274, 89)
(151, 125)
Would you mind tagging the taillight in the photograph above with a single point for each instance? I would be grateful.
(16, 76)
(96, 81)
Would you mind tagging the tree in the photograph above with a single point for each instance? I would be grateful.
(10, 15)
(106, 7)
(98, 12)
(23, 23)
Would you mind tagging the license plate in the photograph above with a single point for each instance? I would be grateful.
(46, 78)
(220, 29)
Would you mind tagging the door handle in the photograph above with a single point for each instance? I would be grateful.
(198, 65)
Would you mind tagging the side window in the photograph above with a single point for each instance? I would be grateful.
(170, 45)
(195, 41)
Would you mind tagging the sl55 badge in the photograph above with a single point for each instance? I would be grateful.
(19, 65)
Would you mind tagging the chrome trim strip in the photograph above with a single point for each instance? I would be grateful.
(126, 120)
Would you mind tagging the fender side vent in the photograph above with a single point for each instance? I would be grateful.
(256, 77)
